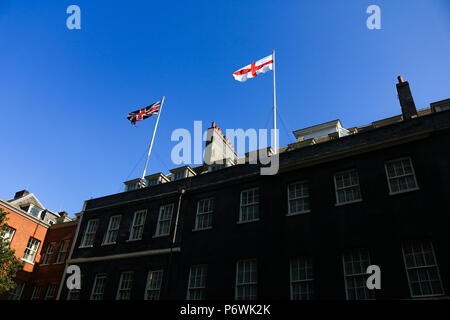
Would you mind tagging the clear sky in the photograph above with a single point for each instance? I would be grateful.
(65, 94)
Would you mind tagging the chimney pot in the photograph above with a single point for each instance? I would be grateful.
(213, 124)
(20, 194)
(400, 79)
(406, 99)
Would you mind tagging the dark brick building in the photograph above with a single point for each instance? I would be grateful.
(343, 199)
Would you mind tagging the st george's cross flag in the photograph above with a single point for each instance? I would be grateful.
(144, 113)
(252, 70)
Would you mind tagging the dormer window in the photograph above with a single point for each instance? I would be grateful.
(35, 211)
(155, 179)
(152, 182)
(132, 184)
(181, 173)
(131, 187)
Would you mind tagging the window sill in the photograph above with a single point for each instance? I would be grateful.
(298, 213)
(348, 202)
(160, 235)
(27, 261)
(108, 244)
(82, 247)
(403, 191)
(202, 229)
(132, 240)
(247, 221)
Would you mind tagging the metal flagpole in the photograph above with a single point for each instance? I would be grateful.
(274, 106)
(153, 138)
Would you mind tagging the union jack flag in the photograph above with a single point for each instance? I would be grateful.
(144, 113)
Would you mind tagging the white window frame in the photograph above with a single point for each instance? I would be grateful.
(162, 210)
(308, 281)
(208, 215)
(302, 197)
(37, 292)
(7, 233)
(427, 267)
(388, 178)
(39, 211)
(31, 249)
(62, 252)
(198, 275)
(246, 284)
(89, 233)
(51, 291)
(150, 281)
(49, 252)
(344, 188)
(16, 294)
(98, 288)
(125, 285)
(112, 232)
(241, 205)
(353, 276)
(137, 230)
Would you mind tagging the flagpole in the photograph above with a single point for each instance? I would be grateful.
(274, 107)
(153, 138)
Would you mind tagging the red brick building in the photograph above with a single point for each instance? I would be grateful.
(31, 230)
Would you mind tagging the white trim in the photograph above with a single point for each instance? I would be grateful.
(247, 221)
(347, 202)
(300, 198)
(347, 187)
(298, 213)
(413, 174)
(125, 255)
(202, 229)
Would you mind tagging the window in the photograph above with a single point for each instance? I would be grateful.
(164, 220)
(298, 198)
(89, 234)
(246, 280)
(37, 290)
(51, 292)
(35, 211)
(179, 175)
(205, 209)
(131, 187)
(73, 294)
(153, 287)
(113, 230)
(302, 279)
(49, 253)
(347, 187)
(355, 266)
(31, 250)
(249, 205)
(197, 282)
(126, 281)
(137, 228)
(7, 233)
(16, 293)
(400, 175)
(62, 252)
(98, 288)
(422, 270)
(152, 182)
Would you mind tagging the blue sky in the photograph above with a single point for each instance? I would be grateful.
(65, 94)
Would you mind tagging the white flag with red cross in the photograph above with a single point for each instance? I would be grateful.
(252, 70)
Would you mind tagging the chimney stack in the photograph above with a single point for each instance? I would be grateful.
(406, 99)
(20, 194)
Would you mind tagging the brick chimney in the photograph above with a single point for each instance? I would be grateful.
(218, 147)
(20, 194)
(406, 99)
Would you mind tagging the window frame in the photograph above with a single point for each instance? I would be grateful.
(129, 282)
(436, 265)
(147, 284)
(354, 275)
(305, 182)
(6, 229)
(31, 250)
(86, 233)
(307, 280)
(48, 256)
(258, 204)
(202, 288)
(134, 226)
(388, 179)
(338, 203)
(94, 286)
(205, 213)
(237, 284)
(37, 292)
(109, 230)
(160, 221)
(51, 288)
(62, 251)
(14, 295)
